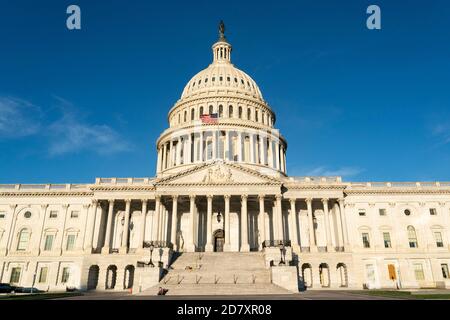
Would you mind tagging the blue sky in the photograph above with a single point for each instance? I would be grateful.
(367, 105)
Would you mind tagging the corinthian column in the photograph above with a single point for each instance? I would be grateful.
(107, 243)
(344, 224)
(190, 247)
(155, 222)
(245, 247)
(126, 227)
(209, 247)
(293, 223)
(173, 229)
(227, 246)
(327, 225)
(262, 218)
(312, 238)
(143, 221)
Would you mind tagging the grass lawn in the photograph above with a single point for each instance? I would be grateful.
(403, 294)
(40, 296)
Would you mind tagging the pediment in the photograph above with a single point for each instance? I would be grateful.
(219, 173)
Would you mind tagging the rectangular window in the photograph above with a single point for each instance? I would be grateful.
(365, 239)
(24, 237)
(2, 214)
(65, 275)
(370, 272)
(15, 275)
(444, 268)
(438, 238)
(70, 242)
(48, 242)
(209, 150)
(53, 214)
(418, 272)
(43, 275)
(382, 212)
(433, 211)
(74, 214)
(362, 212)
(387, 240)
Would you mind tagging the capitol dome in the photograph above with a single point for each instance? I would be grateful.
(221, 116)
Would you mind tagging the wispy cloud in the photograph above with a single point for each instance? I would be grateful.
(442, 131)
(18, 118)
(326, 171)
(70, 133)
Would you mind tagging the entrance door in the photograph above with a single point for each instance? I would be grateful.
(219, 240)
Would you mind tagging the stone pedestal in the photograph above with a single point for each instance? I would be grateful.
(146, 278)
(285, 277)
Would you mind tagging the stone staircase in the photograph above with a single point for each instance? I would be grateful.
(224, 273)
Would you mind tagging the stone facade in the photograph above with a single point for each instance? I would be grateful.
(221, 185)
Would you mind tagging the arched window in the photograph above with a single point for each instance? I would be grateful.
(412, 237)
(200, 113)
(248, 113)
(179, 118)
(220, 111)
(185, 116)
(256, 115)
(240, 112)
(230, 111)
(210, 109)
(24, 238)
(192, 114)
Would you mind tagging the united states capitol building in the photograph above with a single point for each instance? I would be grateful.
(222, 213)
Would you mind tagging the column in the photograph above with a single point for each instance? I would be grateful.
(195, 149)
(158, 165)
(143, 221)
(173, 229)
(245, 247)
(312, 238)
(270, 154)
(13, 208)
(126, 227)
(214, 144)
(60, 248)
(164, 157)
(88, 221)
(171, 154)
(262, 155)
(107, 243)
(41, 234)
(227, 145)
(282, 159)
(190, 247)
(179, 147)
(277, 155)
(262, 218)
(293, 223)
(155, 226)
(279, 218)
(239, 146)
(252, 148)
(189, 153)
(97, 213)
(344, 224)
(209, 246)
(227, 245)
(327, 225)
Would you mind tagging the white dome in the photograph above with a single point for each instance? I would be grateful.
(221, 76)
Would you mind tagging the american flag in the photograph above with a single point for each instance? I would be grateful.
(209, 118)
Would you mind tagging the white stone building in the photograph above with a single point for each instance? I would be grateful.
(221, 186)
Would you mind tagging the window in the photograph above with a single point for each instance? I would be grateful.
(27, 215)
(220, 78)
(192, 112)
(199, 81)
(230, 111)
(206, 80)
(2, 214)
(228, 79)
(65, 275)
(382, 212)
(407, 212)
(48, 242)
(366, 241)
(15, 275)
(248, 113)
(210, 109)
(185, 116)
(240, 112)
(438, 238)
(235, 80)
(213, 79)
(412, 238)
(53, 214)
(24, 237)
(74, 214)
(362, 212)
(43, 275)
(201, 112)
(418, 271)
(70, 242)
(433, 212)
(256, 115)
(387, 240)
(444, 268)
(220, 111)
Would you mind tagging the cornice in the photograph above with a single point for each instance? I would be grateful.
(391, 191)
(46, 194)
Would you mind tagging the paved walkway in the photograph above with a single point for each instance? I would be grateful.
(307, 295)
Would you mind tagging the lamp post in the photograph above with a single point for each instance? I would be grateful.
(34, 280)
(281, 245)
(152, 247)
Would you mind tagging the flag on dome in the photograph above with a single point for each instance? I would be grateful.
(209, 118)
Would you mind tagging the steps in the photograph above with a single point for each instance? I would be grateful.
(224, 273)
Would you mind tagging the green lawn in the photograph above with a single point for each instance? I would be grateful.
(403, 294)
(40, 296)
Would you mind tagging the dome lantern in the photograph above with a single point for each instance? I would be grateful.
(222, 49)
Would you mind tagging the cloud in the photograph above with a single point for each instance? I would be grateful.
(325, 171)
(68, 134)
(442, 131)
(18, 118)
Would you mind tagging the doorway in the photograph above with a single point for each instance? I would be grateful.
(219, 240)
